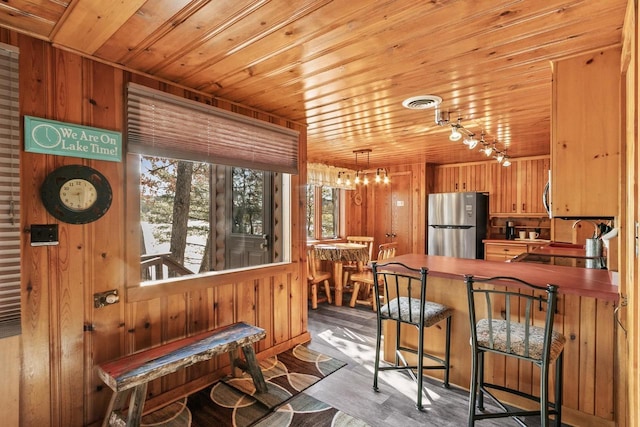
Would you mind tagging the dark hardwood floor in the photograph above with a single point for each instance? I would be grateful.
(348, 334)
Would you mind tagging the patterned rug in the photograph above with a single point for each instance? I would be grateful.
(234, 401)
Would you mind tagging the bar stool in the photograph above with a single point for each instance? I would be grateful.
(405, 291)
(518, 323)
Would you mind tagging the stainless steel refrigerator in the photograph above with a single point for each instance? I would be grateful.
(457, 224)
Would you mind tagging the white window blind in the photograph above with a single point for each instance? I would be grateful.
(9, 193)
(165, 125)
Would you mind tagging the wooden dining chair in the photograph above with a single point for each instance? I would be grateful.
(350, 267)
(363, 281)
(316, 276)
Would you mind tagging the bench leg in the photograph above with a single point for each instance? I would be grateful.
(254, 369)
(136, 404)
(236, 366)
(115, 404)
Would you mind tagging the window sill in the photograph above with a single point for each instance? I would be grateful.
(156, 289)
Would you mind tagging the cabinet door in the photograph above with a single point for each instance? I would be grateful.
(585, 135)
(473, 177)
(532, 177)
(446, 179)
(503, 197)
(451, 179)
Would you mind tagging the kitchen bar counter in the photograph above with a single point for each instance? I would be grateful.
(585, 315)
(601, 284)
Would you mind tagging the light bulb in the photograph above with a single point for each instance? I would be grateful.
(455, 134)
(339, 178)
(357, 180)
(386, 179)
(471, 142)
(378, 179)
(366, 180)
(500, 157)
(506, 162)
(487, 151)
(348, 181)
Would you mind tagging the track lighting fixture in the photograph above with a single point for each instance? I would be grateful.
(458, 131)
(455, 134)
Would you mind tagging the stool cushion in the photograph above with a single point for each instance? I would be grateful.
(498, 330)
(433, 312)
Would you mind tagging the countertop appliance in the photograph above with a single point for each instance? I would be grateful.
(457, 224)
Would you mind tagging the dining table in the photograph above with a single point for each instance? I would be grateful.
(338, 254)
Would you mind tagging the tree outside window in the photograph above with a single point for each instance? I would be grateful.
(199, 217)
(323, 213)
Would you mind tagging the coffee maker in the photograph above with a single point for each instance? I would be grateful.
(510, 233)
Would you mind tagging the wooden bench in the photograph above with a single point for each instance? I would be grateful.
(132, 373)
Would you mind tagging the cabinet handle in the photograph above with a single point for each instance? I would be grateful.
(523, 208)
(456, 186)
(464, 185)
(513, 207)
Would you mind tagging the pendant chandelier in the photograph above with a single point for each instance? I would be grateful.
(381, 174)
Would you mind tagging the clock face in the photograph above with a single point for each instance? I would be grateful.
(46, 136)
(76, 194)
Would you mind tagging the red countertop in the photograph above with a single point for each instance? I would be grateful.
(602, 284)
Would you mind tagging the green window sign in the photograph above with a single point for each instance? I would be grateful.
(65, 139)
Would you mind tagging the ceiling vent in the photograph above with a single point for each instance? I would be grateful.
(422, 102)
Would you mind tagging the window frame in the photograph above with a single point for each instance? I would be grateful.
(339, 214)
(141, 291)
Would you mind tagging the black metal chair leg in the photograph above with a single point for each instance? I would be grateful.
(377, 362)
(473, 389)
(447, 352)
(558, 389)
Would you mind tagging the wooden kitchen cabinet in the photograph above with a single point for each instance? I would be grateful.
(508, 249)
(460, 178)
(585, 135)
(517, 189)
(503, 251)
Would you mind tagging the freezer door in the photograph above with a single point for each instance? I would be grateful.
(459, 242)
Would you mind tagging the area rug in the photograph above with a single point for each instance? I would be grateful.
(234, 401)
(306, 411)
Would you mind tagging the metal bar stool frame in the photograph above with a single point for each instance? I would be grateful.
(502, 336)
(419, 312)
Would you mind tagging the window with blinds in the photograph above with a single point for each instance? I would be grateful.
(9, 193)
(165, 125)
(212, 185)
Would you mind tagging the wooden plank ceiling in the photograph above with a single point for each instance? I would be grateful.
(344, 67)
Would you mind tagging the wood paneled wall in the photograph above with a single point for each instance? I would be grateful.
(397, 208)
(64, 336)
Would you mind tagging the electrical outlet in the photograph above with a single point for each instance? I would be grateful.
(103, 299)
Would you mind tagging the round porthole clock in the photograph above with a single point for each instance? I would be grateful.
(76, 194)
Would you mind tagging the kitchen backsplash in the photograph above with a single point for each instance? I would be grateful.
(498, 226)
